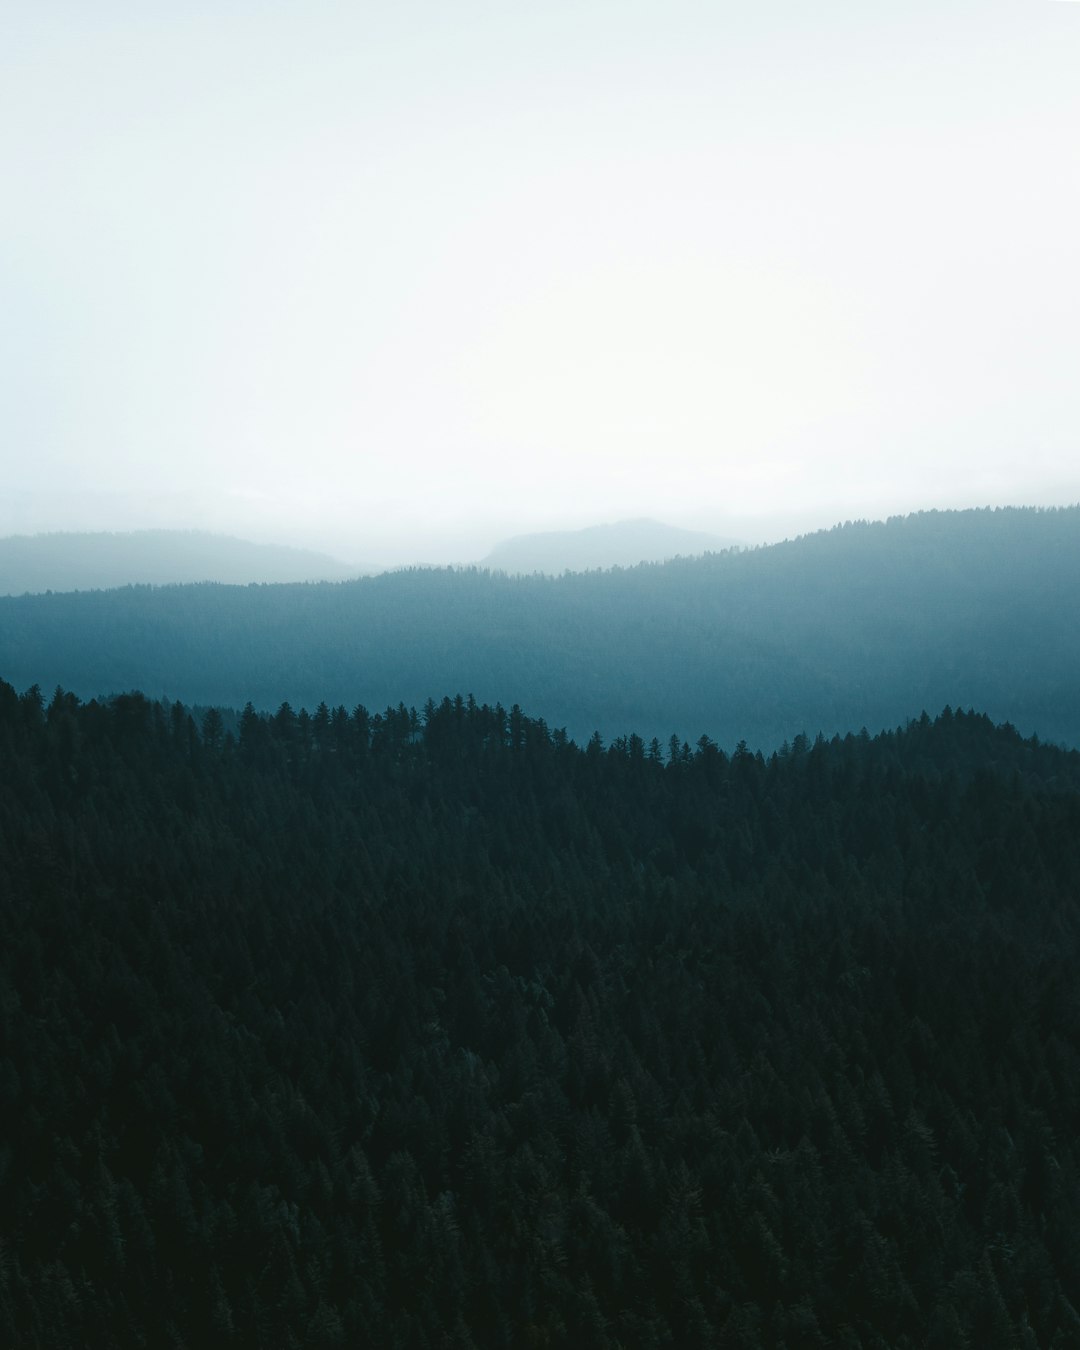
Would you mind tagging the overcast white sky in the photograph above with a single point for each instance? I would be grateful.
(403, 278)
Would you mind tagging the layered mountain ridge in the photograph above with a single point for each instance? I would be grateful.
(851, 627)
(103, 560)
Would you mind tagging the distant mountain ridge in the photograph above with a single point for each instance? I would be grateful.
(864, 625)
(625, 543)
(70, 561)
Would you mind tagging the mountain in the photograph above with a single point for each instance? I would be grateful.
(623, 544)
(862, 625)
(440, 1031)
(85, 562)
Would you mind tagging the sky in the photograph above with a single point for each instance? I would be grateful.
(399, 280)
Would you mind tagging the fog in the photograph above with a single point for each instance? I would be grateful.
(400, 281)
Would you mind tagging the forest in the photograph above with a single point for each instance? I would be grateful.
(857, 626)
(434, 1027)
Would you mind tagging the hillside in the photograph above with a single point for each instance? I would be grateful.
(84, 562)
(622, 544)
(439, 1030)
(858, 626)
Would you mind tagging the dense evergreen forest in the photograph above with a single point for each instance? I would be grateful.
(852, 627)
(437, 1029)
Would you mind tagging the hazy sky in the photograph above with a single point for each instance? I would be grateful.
(403, 278)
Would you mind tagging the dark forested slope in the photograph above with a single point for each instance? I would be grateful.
(423, 1031)
(849, 628)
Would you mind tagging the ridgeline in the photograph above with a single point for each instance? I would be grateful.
(854, 627)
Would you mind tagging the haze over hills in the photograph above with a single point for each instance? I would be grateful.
(622, 544)
(862, 625)
(101, 560)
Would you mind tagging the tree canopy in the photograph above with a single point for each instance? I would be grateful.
(428, 1028)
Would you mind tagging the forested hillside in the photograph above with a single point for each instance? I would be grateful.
(427, 1030)
(848, 628)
